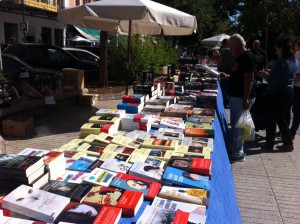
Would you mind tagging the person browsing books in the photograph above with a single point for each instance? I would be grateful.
(241, 92)
(280, 95)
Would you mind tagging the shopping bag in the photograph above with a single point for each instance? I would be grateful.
(246, 126)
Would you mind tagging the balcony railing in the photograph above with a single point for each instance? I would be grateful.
(49, 5)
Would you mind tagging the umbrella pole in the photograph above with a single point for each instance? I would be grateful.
(128, 57)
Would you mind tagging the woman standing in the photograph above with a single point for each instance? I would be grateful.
(279, 95)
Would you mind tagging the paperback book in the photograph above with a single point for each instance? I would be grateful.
(129, 201)
(146, 171)
(129, 182)
(160, 154)
(125, 141)
(91, 150)
(104, 120)
(186, 179)
(160, 144)
(137, 157)
(71, 177)
(119, 149)
(77, 213)
(82, 163)
(100, 140)
(193, 150)
(111, 112)
(35, 203)
(115, 165)
(109, 154)
(33, 152)
(99, 177)
(190, 195)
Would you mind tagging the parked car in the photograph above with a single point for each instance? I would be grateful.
(82, 54)
(16, 71)
(51, 57)
(93, 49)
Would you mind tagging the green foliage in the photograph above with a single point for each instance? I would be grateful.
(147, 53)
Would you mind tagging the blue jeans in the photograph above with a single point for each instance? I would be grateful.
(236, 110)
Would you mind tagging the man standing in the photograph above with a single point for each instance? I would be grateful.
(260, 55)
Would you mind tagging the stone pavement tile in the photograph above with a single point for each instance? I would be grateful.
(258, 215)
(248, 170)
(291, 220)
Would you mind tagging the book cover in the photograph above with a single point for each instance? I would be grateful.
(168, 133)
(91, 150)
(184, 178)
(129, 182)
(133, 219)
(198, 141)
(146, 171)
(129, 201)
(13, 220)
(125, 141)
(205, 126)
(173, 122)
(77, 213)
(109, 154)
(177, 205)
(71, 176)
(82, 163)
(100, 140)
(52, 158)
(111, 112)
(116, 165)
(35, 203)
(104, 119)
(200, 166)
(76, 192)
(138, 157)
(158, 215)
(20, 164)
(33, 152)
(133, 99)
(99, 177)
(73, 154)
(201, 112)
(160, 144)
(96, 164)
(200, 119)
(190, 195)
(161, 154)
(119, 149)
(193, 150)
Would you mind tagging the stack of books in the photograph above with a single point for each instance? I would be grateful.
(91, 128)
(133, 99)
(207, 100)
(145, 90)
(131, 108)
(136, 122)
(111, 112)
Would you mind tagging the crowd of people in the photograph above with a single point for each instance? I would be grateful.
(241, 68)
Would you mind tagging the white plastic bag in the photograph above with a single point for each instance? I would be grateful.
(246, 126)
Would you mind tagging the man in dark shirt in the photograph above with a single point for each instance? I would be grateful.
(260, 55)
(242, 94)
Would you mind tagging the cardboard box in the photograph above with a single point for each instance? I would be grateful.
(17, 125)
(87, 99)
(73, 77)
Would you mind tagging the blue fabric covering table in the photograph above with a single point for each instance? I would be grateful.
(223, 208)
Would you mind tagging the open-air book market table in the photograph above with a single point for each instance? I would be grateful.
(121, 170)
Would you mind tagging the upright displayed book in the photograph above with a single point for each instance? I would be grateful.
(77, 213)
(158, 215)
(183, 178)
(190, 195)
(129, 182)
(146, 171)
(76, 192)
(129, 201)
(35, 203)
(99, 177)
(115, 165)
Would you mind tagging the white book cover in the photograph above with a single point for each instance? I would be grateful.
(35, 203)
(197, 212)
(100, 177)
(111, 112)
(147, 171)
(13, 220)
(116, 165)
(33, 152)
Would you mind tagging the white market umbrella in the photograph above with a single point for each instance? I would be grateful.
(79, 39)
(130, 16)
(215, 40)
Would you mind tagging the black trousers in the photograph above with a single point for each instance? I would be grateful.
(295, 108)
(277, 105)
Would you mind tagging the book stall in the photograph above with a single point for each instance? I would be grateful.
(160, 157)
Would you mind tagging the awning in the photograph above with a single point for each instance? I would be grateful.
(90, 34)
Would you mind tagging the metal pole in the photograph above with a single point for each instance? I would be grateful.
(24, 30)
(128, 57)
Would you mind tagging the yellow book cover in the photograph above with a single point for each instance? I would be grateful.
(137, 157)
(119, 149)
(193, 150)
(91, 128)
(161, 154)
(91, 149)
(72, 145)
(99, 140)
(103, 119)
(160, 144)
(125, 141)
(115, 155)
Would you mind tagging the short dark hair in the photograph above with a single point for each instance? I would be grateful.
(224, 41)
(147, 168)
(285, 44)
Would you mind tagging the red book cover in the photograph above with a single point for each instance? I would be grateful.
(51, 156)
(181, 217)
(129, 201)
(138, 117)
(88, 214)
(105, 128)
(130, 99)
(130, 182)
(201, 166)
(6, 212)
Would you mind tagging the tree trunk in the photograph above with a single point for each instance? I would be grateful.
(103, 79)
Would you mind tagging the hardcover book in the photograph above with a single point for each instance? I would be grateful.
(190, 195)
(129, 182)
(20, 164)
(116, 165)
(146, 171)
(186, 179)
(35, 203)
(76, 192)
(137, 157)
(129, 201)
(160, 144)
(99, 177)
(158, 215)
(77, 213)
(200, 166)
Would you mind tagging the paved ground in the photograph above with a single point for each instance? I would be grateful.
(267, 184)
